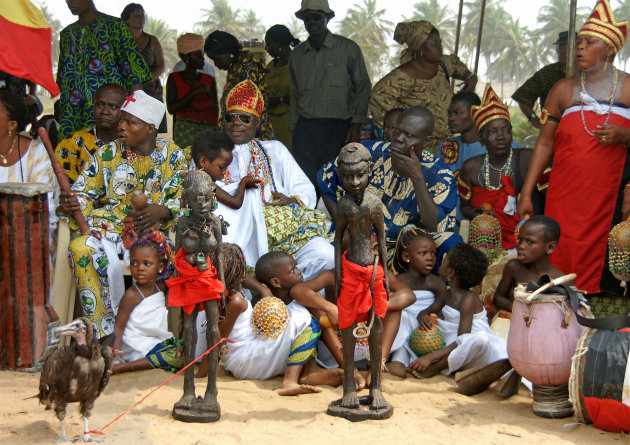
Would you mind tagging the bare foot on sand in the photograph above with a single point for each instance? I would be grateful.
(397, 369)
(296, 390)
(427, 373)
(359, 381)
(312, 374)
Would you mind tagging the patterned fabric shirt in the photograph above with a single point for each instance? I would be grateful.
(245, 66)
(90, 56)
(105, 186)
(540, 84)
(75, 152)
(329, 83)
(396, 192)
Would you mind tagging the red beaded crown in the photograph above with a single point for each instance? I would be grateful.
(245, 97)
(602, 24)
(491, 108)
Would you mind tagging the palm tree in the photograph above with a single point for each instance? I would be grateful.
(365, 25)
(167, 37)
(441, 17)
(252, 26)
(220, 17)
(297, 28)
(55, 27)
(554, 17)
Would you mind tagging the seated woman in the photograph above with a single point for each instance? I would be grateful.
(228, 55)
(497, 176)
(138, 161)
(191, 96)
(23, 159)
(423, 78)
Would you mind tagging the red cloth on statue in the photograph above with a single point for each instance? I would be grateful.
(355, 298)
(499, 199)
(191, 287)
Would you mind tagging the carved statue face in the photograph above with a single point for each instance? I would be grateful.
(200, 202)
(355, 177)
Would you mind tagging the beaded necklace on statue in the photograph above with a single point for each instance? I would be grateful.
(610, 103)
(505, 170)
(259, 167)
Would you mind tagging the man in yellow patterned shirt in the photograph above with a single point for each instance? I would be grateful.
(76, 151)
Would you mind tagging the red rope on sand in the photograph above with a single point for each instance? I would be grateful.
(164, 383)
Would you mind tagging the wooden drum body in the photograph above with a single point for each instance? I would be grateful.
(542, 338)
(600, 379)
(25, 311)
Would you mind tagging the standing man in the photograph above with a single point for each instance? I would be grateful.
(330, 90)
(95, 50)
(539, 85)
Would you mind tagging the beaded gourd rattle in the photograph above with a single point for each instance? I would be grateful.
(485, 233)
(619, 252)
(269, 318)
(424, 342)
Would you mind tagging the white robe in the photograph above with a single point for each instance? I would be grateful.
(247, 224)
(255, 358)
(401, 351)
(480, 347)
(147, 326)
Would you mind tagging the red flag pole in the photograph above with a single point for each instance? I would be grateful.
(63, 180)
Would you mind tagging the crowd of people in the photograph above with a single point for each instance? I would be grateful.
(270, 140)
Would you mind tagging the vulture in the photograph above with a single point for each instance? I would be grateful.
(76, 373)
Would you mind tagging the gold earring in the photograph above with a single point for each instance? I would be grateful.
(10, 133)
(606, 64)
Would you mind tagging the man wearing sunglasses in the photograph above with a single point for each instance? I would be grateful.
(330, 90)
(278, 214)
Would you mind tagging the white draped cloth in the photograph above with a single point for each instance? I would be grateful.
(147, 326)
(480, 347)
(401, 351)
(247, 224)
(253, 358)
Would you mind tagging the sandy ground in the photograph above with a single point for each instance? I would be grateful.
(426, 412)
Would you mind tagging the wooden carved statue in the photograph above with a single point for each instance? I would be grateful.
(361, 283)
(199, 282)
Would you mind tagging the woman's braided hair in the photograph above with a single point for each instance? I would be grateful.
(234, 266)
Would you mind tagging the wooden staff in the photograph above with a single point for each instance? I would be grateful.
(63, 180)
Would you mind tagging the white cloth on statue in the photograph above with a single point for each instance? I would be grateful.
(147, 326)
(480, 347)
(401, 351)
(255, 358)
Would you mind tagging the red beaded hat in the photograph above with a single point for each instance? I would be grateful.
(491, 108)
(245, 97)
(602, 24)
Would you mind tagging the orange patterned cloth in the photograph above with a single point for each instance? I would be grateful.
(602, 24)
(491, 108)
(246, 97)
(191, 287)
(355, 298)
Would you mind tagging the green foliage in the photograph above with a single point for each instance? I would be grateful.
(441, 17)
(167, 37)
(521, 128)
(366, 26)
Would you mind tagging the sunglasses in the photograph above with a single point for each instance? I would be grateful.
(313, 17)
(244, 118)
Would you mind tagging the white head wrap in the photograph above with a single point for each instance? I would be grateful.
(145, 108)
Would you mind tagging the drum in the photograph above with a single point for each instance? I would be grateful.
(25, 311)
(599, 387)
(542, 337)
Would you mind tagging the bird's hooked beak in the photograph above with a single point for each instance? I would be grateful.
(75, 329)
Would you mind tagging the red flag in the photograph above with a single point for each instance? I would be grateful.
(25, 43)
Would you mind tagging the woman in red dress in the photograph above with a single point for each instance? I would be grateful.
(587, 132)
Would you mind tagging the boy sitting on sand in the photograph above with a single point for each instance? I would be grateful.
(537, 239)
(292, 352)
(470, 342)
